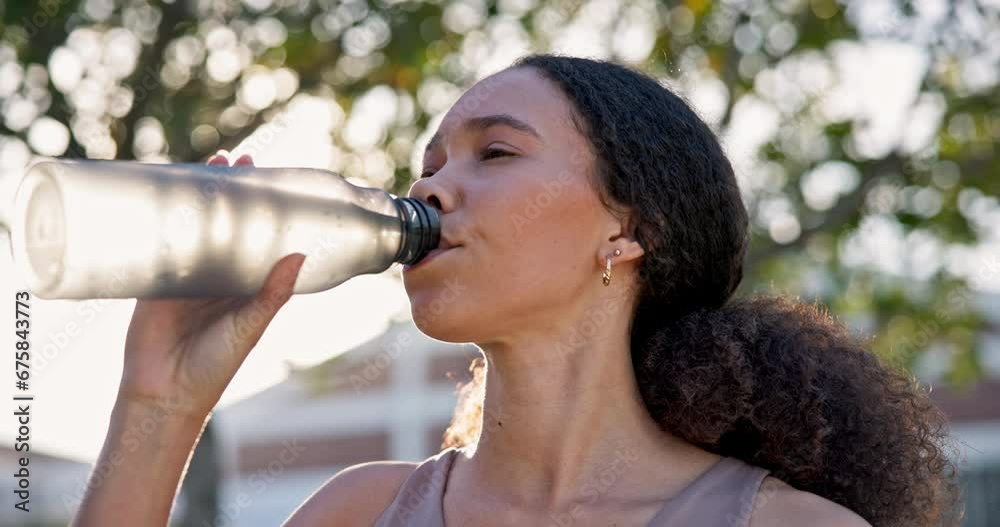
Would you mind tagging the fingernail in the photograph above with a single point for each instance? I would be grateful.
(294, 277)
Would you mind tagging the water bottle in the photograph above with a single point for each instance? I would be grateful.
(115, 229)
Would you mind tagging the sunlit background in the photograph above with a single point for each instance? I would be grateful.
(864, 134)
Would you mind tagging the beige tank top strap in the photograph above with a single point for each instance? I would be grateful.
(723, 496)
(419, 502)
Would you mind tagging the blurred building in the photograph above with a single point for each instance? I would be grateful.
(53, 484)
(975, 424)
(974, 414)
(390, 398)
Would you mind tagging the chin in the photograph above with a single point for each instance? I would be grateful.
(440, 325)
(449, 309)
(442, 321)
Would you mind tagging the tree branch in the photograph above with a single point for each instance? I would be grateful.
(846, 208)
(150, 61)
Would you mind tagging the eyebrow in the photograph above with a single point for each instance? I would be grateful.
(481, 124)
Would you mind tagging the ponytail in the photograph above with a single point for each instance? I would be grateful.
(781, 385)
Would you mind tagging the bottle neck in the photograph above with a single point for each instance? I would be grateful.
(421, 230)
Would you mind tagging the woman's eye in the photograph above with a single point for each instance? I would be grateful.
(492, 153)
(485, 155)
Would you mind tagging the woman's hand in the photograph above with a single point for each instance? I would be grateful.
(181, 354)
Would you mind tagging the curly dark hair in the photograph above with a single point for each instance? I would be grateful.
(771, 381)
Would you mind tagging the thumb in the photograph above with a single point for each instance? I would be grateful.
(253, 318)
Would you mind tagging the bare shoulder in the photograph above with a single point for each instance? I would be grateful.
(779, 504)
(356, 495)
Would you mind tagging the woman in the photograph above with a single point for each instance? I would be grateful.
(595, 232)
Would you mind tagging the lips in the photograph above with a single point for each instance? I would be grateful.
(444, 245)
(428, 258)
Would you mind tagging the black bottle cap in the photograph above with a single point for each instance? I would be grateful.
(421, 230)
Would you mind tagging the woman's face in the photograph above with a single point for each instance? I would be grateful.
(510, 175)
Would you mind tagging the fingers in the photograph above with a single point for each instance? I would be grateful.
(222, 158)
(278, 286)
(253, 318)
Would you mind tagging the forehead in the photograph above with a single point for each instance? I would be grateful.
(521, 93)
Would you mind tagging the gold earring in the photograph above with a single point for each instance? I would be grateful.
(607, 268)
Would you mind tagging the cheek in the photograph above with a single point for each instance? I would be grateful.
(543, 241)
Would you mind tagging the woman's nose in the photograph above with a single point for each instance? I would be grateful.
(438, 194)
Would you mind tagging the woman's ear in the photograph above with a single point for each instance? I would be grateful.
(622, 244)
(620, 250)
(632, 251)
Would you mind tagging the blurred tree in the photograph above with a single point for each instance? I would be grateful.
(864, 133)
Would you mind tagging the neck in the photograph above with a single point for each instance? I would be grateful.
(562, 411)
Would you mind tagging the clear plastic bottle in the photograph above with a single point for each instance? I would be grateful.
(115, 229)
